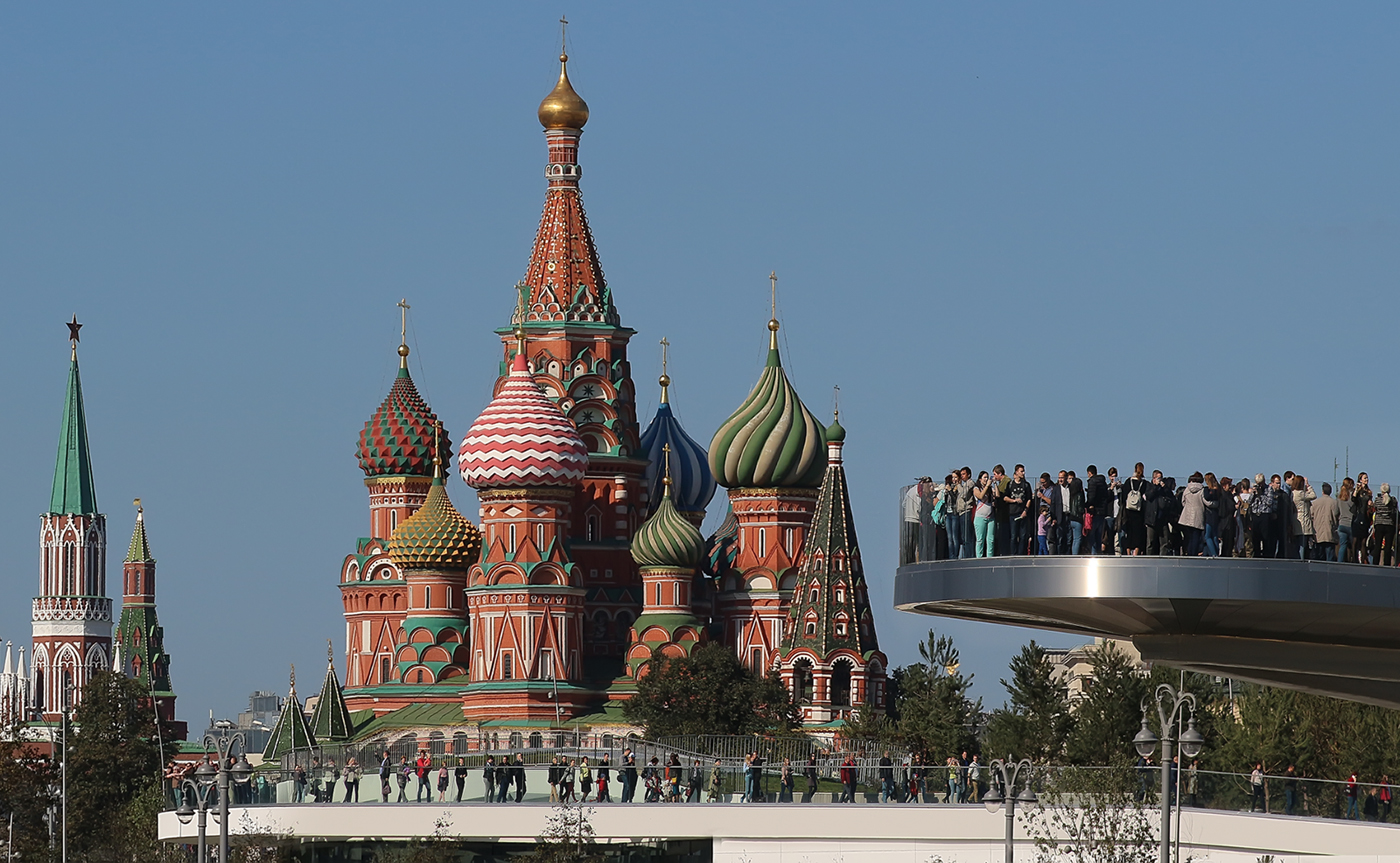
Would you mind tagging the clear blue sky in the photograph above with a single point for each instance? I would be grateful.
(1056, 234)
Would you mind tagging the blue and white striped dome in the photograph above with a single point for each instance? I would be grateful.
(692, 484)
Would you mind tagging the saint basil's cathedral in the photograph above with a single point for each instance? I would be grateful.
(588, 561)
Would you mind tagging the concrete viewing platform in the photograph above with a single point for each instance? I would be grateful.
(1327, 628)
(787, 832)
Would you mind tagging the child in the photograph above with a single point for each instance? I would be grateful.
(1042, 527)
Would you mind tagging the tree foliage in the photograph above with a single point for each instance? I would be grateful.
(1037, 722)
(1091, 816)
(1110, 714)
(709, 692)
(931, 713)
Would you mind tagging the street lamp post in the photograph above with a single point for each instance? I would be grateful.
(1172, 707)
(209, 778)
(202, 788)
(1003, 791)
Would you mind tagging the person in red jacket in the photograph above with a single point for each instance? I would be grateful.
(848, 779)
(422, 766)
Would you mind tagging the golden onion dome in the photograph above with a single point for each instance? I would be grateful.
(436, 536)
(563, 108)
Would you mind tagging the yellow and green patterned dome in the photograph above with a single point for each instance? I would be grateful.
(667, 538)
(772, 440)
(436, 536)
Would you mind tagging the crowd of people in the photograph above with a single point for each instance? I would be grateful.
(1283, 516)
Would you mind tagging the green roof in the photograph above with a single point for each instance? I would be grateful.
(73, 490)
(331, 719)
(291, 731)
(414, 716)
(140, 549)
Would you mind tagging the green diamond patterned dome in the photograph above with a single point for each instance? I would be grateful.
(436, 536)
(772, 440)
(667, 539)
(398, 439)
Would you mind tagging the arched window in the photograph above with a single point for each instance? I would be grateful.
(811, 627)
(507, 667)
(762, 542)
(591, 531)
(512, 539)
(841, 684)
(536, 740)
(816, 595)
(802, 682)
(393, 519)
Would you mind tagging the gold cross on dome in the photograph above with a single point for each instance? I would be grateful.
(666, 448)
(664, 345)
(836, 401)
(403, 319)
(563, 34)
(773, 287)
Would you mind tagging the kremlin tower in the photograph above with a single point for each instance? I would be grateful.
(140, 639)
(72, 620)
(768, 454)
(831, 660)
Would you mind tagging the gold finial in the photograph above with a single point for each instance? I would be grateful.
(437, 450)
(294, 680)
(403, 332)
(836, 401)
(330, 652)
(522, 293)
(563, 39)
(666, 449)
(773, 317)
(137, 503)
(665, 380)
(563, 108)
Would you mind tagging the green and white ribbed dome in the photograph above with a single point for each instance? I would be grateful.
(772, 440)
(667, 539)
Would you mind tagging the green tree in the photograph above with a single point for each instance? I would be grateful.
(709, 692)
(27, 783)
(114, 768)
(1036, 724)
(1110, 713)
(935, 713)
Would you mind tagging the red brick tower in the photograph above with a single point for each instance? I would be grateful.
(578, 354)
(72, 619)
(396, 451)
(768, 454)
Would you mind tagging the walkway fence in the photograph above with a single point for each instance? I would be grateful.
(324, 767)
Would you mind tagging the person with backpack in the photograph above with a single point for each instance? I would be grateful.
(1133, 500)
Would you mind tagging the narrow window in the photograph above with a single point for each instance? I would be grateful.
(756, 659)
(507, 667)
(539, 536)
(512, 539)
(816, 596)
(787, 540)
(811, 627)
(591, 532)
(420, 675)
(384, 669)
(393, 519)
(427, 598)
(762, 542)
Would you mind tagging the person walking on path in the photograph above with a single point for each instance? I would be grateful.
(886, 778)
(1353, 810)
(421, 768)
(604, 777)
(442, 780)
(848, 779)
(1256, 786)
(488, 779)
(629, 775)
(553, 778)
(518, 775)
(1290, 789)
(585, 779)
(405, 770)
(697, 782)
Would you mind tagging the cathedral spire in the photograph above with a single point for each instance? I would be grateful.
(291, 731)
(73, 490)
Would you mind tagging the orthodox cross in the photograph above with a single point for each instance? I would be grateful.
(664, 345)
(403, 319)
(836, 402)
(563, 34)
(330, 652)
(666, 448)
(294, 680)
(773, 287)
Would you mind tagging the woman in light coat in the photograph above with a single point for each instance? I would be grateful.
(1303, 496)
(1193, 514)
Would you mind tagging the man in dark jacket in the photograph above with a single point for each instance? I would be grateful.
(519, 778)
(1100, 505)
(1067, 511)
(1156, 514)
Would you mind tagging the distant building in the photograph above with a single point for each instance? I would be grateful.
(255, 723)
(1074, 666)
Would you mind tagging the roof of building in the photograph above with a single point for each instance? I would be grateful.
(772, 440)
(397, 439)
(522, 439)
(436, 536)
(667, 539)
(331, 719)
(140, 549)
(291, 731)
(692, 482)
(73, 489)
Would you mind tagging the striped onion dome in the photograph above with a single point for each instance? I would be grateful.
(522, 439)
(667, 539)
(398, 439)
(772, 440)
(721, 548)
(437, 536)
(692, 484)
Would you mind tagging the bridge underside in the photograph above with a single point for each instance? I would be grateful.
(1327, 628)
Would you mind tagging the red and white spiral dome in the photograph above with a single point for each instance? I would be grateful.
(522, 439)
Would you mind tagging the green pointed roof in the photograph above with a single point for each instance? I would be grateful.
(291, 731)
(772, 440)
(140, 550)
(331, 718)
(73, 489)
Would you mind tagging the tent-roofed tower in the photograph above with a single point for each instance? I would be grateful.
(140, 639)
(768, 454)
(831, 659)
(330, 721)
(72, 615)
(291, 731)
(577, 353)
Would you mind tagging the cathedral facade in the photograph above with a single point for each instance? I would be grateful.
(587, 561)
